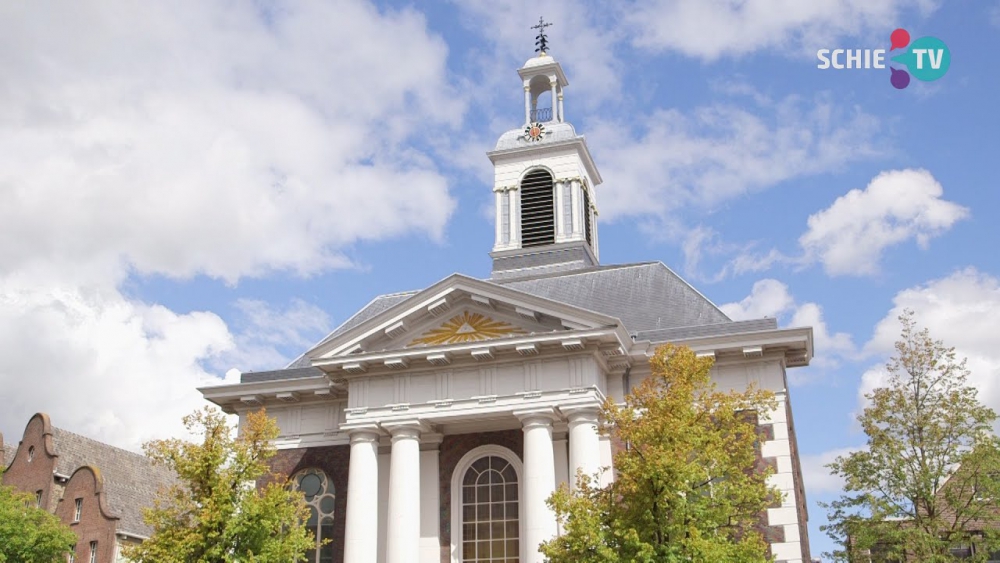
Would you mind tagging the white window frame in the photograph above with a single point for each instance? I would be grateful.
(93, 552)
(78, 509)
(458, 474)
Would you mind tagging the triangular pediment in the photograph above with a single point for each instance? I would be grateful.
(458, 310)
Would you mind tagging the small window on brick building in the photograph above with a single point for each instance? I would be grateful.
(31, 453)
(71, 558)
(962, 551)
(38, 499)
(79, 510)
(93, 552)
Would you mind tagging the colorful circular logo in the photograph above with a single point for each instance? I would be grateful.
(925, 59)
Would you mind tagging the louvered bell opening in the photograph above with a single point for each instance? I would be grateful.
(538, 214)
(586, 216)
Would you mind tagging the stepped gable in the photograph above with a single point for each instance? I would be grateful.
(131, 480)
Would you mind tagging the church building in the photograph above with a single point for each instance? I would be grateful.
(432, 425)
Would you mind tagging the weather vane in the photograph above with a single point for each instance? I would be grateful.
(541, 41)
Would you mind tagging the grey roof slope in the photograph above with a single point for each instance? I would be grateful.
(374, 307)
(644, 297)
(131, 480)
(8, 454)
(648, 297)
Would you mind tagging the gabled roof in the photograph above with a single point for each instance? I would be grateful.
(392, 331)
(648, 298)
(131, 480)
(8, 454)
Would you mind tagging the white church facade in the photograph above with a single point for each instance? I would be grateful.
(432, 425)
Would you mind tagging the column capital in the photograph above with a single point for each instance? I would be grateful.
(544, 416)
(364, 432)
(411, 428)
(581, 413)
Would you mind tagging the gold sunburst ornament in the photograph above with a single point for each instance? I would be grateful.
(467, 327)
(534, 131)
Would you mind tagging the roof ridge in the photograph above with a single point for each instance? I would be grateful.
(103, 445)
(577, 272)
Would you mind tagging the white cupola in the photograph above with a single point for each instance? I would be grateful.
(546, 209)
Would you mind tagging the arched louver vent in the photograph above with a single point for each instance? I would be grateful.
(538, 219)
(587, 216)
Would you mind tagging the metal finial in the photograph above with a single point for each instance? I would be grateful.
(541, 41)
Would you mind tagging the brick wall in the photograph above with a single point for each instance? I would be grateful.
(95, 524)
(332, 460)
(35, 475)
(800, 488)
(453, 447)
(771, 534)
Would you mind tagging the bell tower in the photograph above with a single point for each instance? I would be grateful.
(544, 180)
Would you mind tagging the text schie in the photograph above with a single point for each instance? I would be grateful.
(850, 58)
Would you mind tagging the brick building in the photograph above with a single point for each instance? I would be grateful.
(432, 425)
(96, 489)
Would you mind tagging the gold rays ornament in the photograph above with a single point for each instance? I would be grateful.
(467, 327)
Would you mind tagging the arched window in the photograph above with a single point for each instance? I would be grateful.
(319, 494)
(538, 214)
(490, 524)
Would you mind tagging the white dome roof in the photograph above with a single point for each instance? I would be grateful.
(554, 131)
(539, 61)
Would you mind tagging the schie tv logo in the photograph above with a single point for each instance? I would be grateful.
(927, 58)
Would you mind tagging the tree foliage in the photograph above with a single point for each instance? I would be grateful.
(928, 478)
(215, 513)
(686, 488)
(29, 534)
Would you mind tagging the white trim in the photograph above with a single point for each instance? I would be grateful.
(456, 493)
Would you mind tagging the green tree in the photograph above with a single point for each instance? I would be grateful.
(687, 487)
(927, 479)
(215, 514)
(29, 534)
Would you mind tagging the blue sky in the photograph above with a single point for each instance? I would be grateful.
(185, 190)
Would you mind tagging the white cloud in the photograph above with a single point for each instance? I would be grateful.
(214, 138)
(99, 364)
(268, 338)
(768, 298)
(962, 310)
(771, 298)
(720, 152)
(816, 475)
(848, 237)
(709, 30)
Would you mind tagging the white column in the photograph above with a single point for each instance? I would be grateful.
(562, 115)
(527, 104)
(560, 226)
(584, 443)
(537, 520)
(361, 525)
(430, 500)
(403, 526)
(555, 99)
(577, 202)
(499, 221)
(515, 217)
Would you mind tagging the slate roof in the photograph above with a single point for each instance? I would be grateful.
(8, 454)
(131, 480)
(651, 300)
(644, 297)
